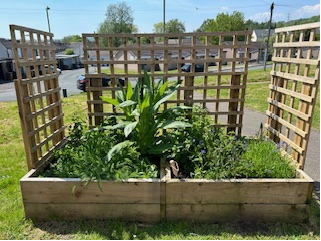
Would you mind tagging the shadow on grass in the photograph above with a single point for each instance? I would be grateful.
(116, 229)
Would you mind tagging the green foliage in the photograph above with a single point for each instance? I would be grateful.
(71, 38)
(206, 152)
(119, 19)
(172, 26)
(69, 51)
(87, 155)
(143, 122)
(223, 22)
(262, 159)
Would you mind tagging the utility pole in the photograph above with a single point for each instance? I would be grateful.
(47, 8)
(268, 38)
(163, 16)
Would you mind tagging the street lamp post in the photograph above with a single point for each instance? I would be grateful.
(163, 16)
(47, 8)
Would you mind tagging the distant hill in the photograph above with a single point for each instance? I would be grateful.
(265, 25)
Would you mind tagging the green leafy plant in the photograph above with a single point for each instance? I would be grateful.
(207, 152)
(143, 122)
(88, 157)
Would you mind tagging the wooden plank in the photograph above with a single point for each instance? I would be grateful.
(36, 79)
(210, 113)
(304, 97)
(233, 106)
(289, 109)
(296, 60)
(49, 138)
(161, 76)
(46, 109)
(295, 213)
(286, 124)
(24, 63)
(148, 213)
(263, 191)
(171, 35)
(172, 47)
(284, 138)
(40, 95)
(303, 79)
(45, 125)
(298, 27)
(60, 191)
(308, 44)
(26, 29)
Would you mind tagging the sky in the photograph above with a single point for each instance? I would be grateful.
(69, 17)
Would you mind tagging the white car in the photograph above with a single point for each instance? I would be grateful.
(53, 68)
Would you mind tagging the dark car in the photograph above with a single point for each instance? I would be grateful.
(81, 82)
(198, 68)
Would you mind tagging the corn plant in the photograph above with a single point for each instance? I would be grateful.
(143, 123)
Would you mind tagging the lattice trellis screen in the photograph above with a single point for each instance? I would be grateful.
(38, 93)
(294, 85)
(219, 63)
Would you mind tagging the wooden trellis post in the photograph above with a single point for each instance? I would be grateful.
(295, 78)
(38, 93)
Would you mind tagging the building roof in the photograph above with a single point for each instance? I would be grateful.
(6, 43)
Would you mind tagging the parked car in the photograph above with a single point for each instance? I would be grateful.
(81, 82)
(47, 71)
(198, 68)
(38, 68)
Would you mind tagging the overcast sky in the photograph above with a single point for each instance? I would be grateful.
(68, 17)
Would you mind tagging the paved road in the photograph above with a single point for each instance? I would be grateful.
(67, 80)
(251, 121)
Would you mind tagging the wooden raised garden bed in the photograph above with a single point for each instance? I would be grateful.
(151, 200)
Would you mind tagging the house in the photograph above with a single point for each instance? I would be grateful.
(256, 51)
(133, 55)
(6, 63)
(5, 49)
(77, 47)
(259, 35)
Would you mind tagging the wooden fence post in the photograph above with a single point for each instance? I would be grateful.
(98, 107)
(188, 94)
(233, 104)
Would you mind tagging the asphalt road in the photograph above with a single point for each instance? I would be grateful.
(67, 80)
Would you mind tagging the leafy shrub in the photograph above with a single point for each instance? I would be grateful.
(206, 152)
(87, 157)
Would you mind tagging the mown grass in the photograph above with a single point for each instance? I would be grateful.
(14, 226)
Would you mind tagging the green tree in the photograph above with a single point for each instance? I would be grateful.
(158, 27)
(119, 19)
(175, 26)
(224, 22)
(69, 51)
(71, 38)
(172, 26)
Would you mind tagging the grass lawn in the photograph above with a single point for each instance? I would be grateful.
(14, 226)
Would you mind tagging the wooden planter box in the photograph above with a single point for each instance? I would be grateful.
(236, 200)
(68, 199)
(151, 200)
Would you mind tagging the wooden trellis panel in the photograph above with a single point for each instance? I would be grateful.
(38, 93)
(294, 85)
(221, 84)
